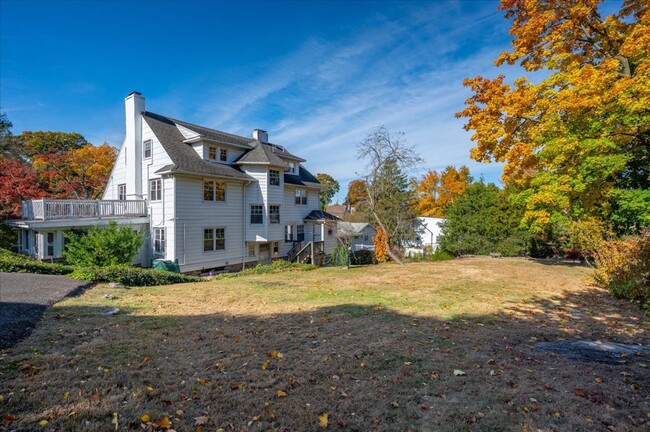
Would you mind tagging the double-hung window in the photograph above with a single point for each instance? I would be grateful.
(155, 189)
(274, 214)
(146, 149)
(159, 241)
(276, 248)
(288, 233)
(223, 155)
(251, 249)
(301, 196)
(214, 190)
(214, 239)
(257, 214)
(300, 233)
(50, 244)
(121, 192)
(274, 177)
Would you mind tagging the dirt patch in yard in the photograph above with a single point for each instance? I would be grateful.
(427, 346)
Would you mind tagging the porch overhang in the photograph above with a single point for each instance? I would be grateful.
(74, 223)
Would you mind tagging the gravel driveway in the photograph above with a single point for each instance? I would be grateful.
(23, 299)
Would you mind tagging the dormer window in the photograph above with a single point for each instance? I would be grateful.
(212, 153)
(146, 149)
(293, 168)
(223, 155)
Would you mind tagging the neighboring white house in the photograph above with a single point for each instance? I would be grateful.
(208, 199)
(428, 230)
(360, 234)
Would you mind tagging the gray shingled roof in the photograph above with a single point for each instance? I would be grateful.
(186, 160)
(217, 135)
(320, 215)
(261, 154)
(304, 178)
(183, 156)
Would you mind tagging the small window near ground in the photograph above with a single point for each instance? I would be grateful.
(251, 249)
(155, 190)
(146, 149)
(159, 241)
(330, 231)
(274, 177)
(50, 244)
(274, 214)
(257, 215)
(276, 247)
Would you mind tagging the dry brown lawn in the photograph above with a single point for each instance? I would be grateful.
(375, 348)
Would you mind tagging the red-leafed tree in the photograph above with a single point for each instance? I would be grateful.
(18, 182)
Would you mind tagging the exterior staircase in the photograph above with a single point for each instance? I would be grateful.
(312, 252)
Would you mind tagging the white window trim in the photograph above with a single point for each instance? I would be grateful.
(279, 214)
(144, 149)
(250, 219)
(248, 250)
(303, 197)
(151, 189)
(162, 240)
(119, 196)
(279, 181)
(214, 240)
(214, 191)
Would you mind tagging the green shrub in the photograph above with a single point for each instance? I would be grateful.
(15, 263)
(131, 276)
(103, 246)
(623, 267)
(340, 255)
(278, 266)
(362, 257)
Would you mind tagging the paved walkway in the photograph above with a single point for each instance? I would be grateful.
(23, 299)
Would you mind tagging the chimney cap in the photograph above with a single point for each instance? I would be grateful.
(134, 93)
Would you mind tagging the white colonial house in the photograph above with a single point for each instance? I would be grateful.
(428, 230)
(208, 199)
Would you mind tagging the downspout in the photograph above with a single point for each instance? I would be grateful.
(243, 203)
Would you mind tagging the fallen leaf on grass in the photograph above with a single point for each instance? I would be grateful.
(237, 340)
(66, 395)
(322, 420)
(201, 420)
(164, 423)
(43, 422)
(25, 366)
(458, 372)
(145, 418)
(265, 365)
(9, 418)
(275, 354)
(280, 393)
(147, 358)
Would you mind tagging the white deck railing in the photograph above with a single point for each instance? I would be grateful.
(44, 209)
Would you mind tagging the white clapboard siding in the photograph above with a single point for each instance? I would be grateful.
(256, 194)
(118, 175)
(193, 215)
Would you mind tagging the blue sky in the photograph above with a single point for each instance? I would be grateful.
(318, 76)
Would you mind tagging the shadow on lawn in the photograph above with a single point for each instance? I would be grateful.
(369, 368)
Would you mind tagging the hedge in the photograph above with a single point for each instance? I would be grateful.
(132, 276)
(15, 263)
(278, 266)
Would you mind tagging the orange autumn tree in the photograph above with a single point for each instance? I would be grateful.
(578, 140)
(436, 191)
(381, 253)
(80, 173)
